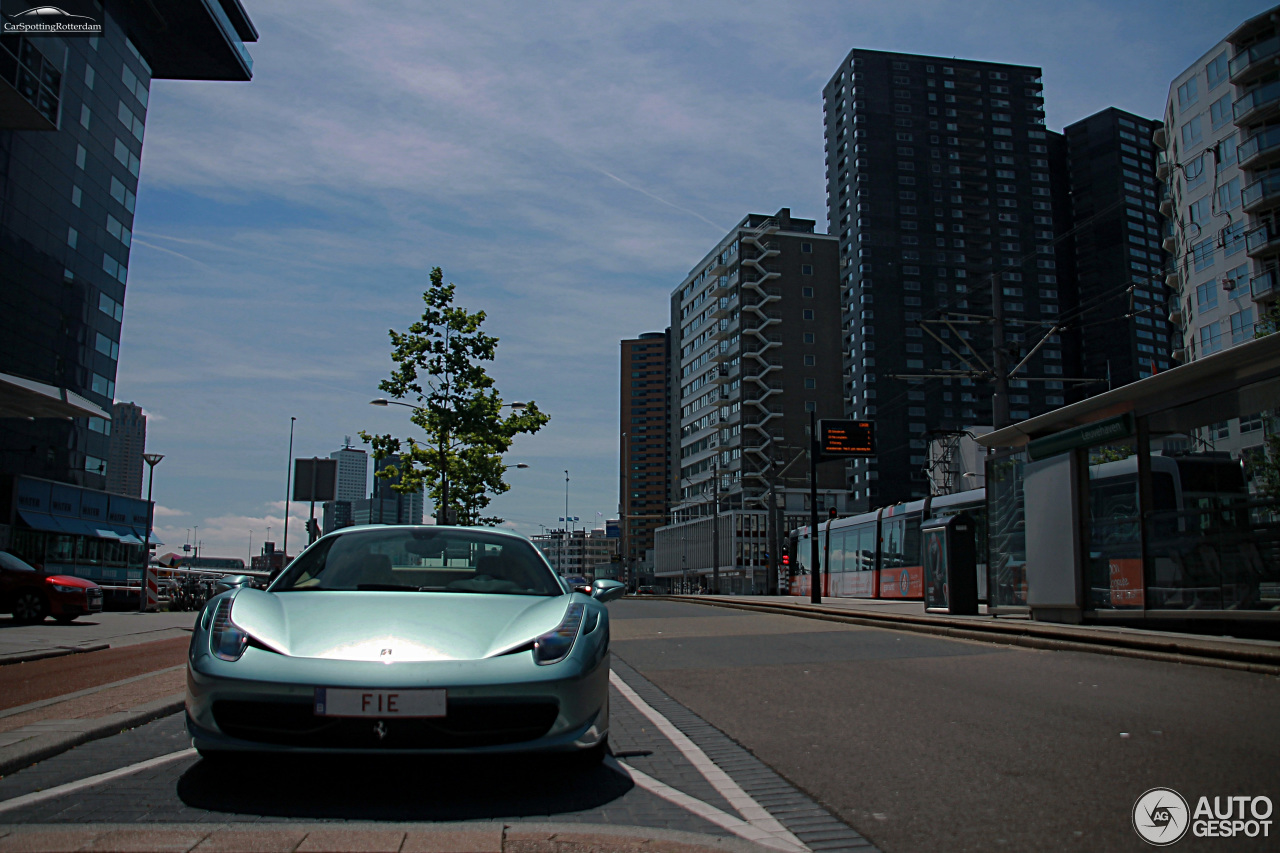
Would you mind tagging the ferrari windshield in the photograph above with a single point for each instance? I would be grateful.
(421, 559)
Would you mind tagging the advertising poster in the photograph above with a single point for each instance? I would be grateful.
(934, 546)
(905, 582)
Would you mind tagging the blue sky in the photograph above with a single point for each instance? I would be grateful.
(565, 163)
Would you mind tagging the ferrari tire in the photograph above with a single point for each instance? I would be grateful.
(30, 606)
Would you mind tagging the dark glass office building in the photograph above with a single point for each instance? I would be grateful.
(72, 114)
(644, 420)
(939, 189)
(1115, 243)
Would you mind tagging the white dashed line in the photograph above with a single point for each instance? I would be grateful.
(742, 802)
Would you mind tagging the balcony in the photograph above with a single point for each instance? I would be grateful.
(1175, 310)
(1166, 207)
(1159, 137)
(1260, 150)
(1170, 244)
(1254, 62)
(1173, 280)
(1261, 194)
(1162, 166)
(1263, 286)
(1258, 105)
(1260, 242)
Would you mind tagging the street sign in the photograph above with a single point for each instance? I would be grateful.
(1100, 432)
(846, 438)
(315, 479)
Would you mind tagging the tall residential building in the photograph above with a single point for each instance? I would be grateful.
(1221, 148)
(352, 485)
(939, 191)
(755, 348)
(1123, 328)
(72, 114)
(128, 443)
(576, 552)
(644, 421)
(353, 472)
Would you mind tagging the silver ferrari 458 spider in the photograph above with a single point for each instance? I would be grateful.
(405, 639)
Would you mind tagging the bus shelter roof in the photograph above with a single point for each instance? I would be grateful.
(1241, 380)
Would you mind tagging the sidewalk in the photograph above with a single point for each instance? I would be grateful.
(88, 633)
(37, 730)
(1261, 656)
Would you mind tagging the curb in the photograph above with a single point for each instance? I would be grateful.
(57, 736)
(60, 651)
(1262, 660)
(479, 837)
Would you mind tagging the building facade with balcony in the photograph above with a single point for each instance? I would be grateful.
(755, 348)
(940, 191)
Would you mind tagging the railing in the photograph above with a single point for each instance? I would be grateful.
(1262, 285)
(1262, 96)
(1263, 50)
(1259, 190)
(1260, 238)
(1259, 143)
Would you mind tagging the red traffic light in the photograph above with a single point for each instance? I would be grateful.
(786, 560)
(832, 512)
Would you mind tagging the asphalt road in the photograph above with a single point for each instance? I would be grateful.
(923, 743)
(919, 743)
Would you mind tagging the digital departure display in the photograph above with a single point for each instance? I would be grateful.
(846, 438)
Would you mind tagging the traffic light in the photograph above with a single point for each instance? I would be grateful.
(831, 513)
(786, 559)
(313, 530)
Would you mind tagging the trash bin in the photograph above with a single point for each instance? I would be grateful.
(948, 548)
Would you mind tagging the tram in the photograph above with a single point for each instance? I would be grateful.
(877, 554)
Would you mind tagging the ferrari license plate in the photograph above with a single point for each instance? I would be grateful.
(345, 702)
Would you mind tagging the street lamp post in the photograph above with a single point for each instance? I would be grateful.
(152, 460)
(288, 490)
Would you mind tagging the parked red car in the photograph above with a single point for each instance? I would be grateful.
(31, 595)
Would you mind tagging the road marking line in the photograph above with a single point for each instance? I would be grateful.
(746, 805)
(71, 787)
(706, 811)
(88, 691)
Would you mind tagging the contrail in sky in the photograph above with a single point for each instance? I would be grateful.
(658, 199)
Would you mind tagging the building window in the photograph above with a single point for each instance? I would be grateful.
(806, 269)
(810, 406)
(1192, 133)
(1220, 111)
(810, 361)
(808, 337)
(807, 313)
(1217, 70)
(1210, 339)
(806, 248)
(806, 292)
(72, 237)
(810, 383)
(85, 115)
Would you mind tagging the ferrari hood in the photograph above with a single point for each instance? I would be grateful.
(393, 627)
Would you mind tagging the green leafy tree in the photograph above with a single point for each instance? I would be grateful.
(441, 372)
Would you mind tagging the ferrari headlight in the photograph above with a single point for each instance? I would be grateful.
(554, 646)
(225, 637)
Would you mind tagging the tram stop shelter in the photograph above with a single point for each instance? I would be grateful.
(1158, 500)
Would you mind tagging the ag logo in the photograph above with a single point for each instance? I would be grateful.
(904, 583)
(1161, 817)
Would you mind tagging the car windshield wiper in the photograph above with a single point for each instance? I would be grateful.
(385, 587)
